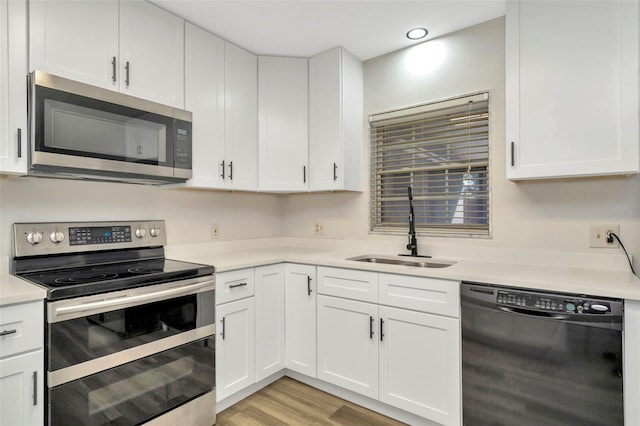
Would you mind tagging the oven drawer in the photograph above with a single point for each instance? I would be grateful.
(137, 391)
(234, 285)
(21, 328)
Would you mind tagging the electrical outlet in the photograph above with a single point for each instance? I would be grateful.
(598, 236)
(215, 231)
(318, 228)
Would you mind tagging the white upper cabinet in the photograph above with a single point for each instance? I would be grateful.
(221, 90)
(204, 97)
(241, 119)
(571, 88)
(283, 124)
(130, 46)
(151, 53)
(13, 88)
(76, 40)
(335, 121)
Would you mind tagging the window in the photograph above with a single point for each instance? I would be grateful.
(441, 150)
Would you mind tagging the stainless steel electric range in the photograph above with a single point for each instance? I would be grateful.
(129, 334)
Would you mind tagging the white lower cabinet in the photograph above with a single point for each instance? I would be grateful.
(235, 346)
(22, 364)
(300, 318)
(348, 345)
(403, 357)
(420, 364)
(270, 313)
(21, 390)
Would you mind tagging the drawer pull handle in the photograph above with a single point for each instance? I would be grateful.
(222, 334)
(127, 69)
(7, 332)
(308, 286)
(237, 285)
(381, 333)
(231, 170)
(113, 69)
(222, 175)
(335, 171)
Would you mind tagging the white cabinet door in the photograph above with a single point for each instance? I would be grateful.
(283, 138)
(571, 90)
(235, 347)
(335, 121)
(13, 88)
(241, 119)
(300, 318)
(151, 53)
(270, 337)
(420, 364)
(76, 40)
(21, 390)
(348, 344)
(204, 97)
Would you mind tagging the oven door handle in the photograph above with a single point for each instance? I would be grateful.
(132, 300)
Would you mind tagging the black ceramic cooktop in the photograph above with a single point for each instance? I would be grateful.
(82, 281)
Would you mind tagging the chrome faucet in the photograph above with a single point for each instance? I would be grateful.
(413, 240)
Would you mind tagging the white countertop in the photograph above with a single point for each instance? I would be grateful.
(16, 290)
(569, 279)
(548, 272)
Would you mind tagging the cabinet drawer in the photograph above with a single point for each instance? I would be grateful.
(421, 294)
(348, 283)
(21, 328)
(234, 285)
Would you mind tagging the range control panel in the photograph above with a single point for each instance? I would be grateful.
(34, 239)
(548, 302)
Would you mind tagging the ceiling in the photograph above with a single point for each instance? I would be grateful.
(307, 27)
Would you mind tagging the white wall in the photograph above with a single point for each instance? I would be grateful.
(538, 215)
(188, 213)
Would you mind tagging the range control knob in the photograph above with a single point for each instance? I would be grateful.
(34, 238)
(141, 232)
(155, 232)
(56, 237)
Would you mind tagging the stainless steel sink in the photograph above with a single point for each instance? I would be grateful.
(416, 262)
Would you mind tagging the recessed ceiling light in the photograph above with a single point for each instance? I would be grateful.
(417, 33)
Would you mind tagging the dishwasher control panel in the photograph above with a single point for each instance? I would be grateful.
(551, 302)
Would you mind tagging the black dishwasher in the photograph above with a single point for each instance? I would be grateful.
(532, 358)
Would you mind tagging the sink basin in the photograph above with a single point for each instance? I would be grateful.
(409, 261)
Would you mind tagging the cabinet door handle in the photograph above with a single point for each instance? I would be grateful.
(513, 154)
(308, 286)
(231, 170)
(304, 174)
(35, 388)
(113, 69)
(237, 285)
(222, 175)
(7, 332)
(370, 327)
(126, 78)
(222, 332)
(381, 333)
(335, 171)
(19, 143)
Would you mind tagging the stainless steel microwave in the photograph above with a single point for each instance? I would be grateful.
(79, 131)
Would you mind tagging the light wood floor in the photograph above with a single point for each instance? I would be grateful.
(289, 402)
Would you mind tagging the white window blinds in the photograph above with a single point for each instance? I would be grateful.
(441, 150)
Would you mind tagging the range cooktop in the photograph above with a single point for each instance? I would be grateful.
(79, 259)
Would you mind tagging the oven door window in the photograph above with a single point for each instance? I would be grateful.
(137, 391)
(82, 339)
